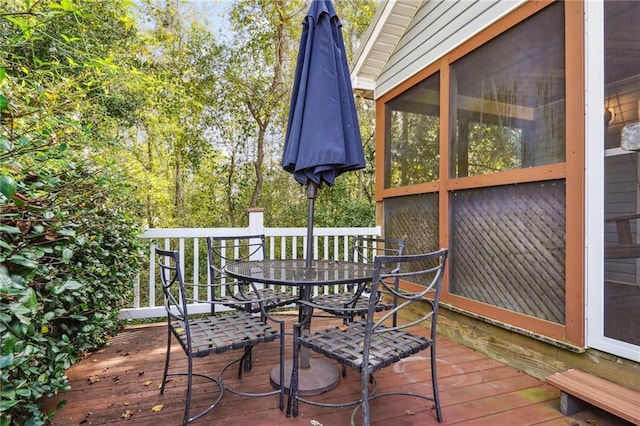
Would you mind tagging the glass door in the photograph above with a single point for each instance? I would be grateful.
(620, 291)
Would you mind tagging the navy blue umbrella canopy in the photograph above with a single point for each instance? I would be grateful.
(323, 136)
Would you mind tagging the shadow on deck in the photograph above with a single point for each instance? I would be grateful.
(120, 385)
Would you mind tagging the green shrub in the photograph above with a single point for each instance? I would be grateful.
(69, 246)
(69, 251)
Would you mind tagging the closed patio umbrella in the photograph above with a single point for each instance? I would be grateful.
(323, 136)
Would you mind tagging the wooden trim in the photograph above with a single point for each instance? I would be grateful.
(537, 325)
(530, 174)
(575, 160)
(421, 188)
(381, 134)
(445, 139)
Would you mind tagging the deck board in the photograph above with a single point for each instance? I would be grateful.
(475, 390)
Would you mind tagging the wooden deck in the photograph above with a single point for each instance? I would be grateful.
(119, 385)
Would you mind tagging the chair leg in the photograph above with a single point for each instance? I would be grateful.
(282, 342)
(241, 364)
(247, 350)
(247, 358)
(346, 320)
(292, 403)
(366, 377)
(187, 407)
(166, 360)
(434, 382)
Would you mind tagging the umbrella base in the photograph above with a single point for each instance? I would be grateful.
(321, 376)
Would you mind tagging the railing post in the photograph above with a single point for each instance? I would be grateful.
(256, 221)
(256, 226)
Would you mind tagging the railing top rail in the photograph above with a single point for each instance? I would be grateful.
(269, 232)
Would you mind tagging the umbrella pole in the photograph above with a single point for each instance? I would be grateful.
(312, 191)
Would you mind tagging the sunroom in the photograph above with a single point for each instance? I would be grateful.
(505, 131)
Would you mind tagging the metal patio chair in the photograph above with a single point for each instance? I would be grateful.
(231, 292)
(353, 301)
(372, 343)
(202, 335)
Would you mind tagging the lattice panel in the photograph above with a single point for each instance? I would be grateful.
(414, 218)
(508, 247)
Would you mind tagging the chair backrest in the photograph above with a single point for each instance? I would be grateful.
(421, 281)
(364, 249)
(226, 249)
(175, 298)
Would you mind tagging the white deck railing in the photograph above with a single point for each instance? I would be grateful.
(328, 243)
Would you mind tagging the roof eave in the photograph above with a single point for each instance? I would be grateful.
(372, 56)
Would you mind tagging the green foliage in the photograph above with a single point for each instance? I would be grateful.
(69, 220)
(69, 254)
(97, 115)
(248, 98)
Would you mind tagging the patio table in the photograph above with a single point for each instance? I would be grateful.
(316, 375)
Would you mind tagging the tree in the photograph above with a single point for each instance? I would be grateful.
(255, 84)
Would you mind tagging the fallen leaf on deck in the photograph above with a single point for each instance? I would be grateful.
(93, 379)
(127, 414)
(409, 412)
(148, 382)
(157, 408)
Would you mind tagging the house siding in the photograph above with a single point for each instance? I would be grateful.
(437, 28)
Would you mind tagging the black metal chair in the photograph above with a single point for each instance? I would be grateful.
(373, 343)
(355, 301)
(229, 291)
(202, 335)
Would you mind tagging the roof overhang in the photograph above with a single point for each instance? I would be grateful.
(387, 28)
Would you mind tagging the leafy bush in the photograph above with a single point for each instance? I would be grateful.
(69, 252)
(69, 246)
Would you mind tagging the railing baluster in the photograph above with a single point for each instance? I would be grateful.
(334, 243)
(196, 269)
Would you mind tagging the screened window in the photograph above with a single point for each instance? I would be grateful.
(413, 123)
(508, 99)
